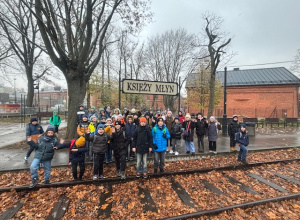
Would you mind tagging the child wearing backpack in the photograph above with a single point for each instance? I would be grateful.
(99, 139)
(160, 136)
(77, 149)
(142, 145)
(242, 140)
(212, 133)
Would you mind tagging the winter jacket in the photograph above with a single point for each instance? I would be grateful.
(212, 131)
(233, 127)
(176, 130)
(75, 156)
(201, 126)
(242, 138)
(169, 122)
(79, 116)
(123, 123)
(142, 139)
(185, 125)
(55, 119)
(158, 139)
(181, 118)
(99, 142)
(34, 129)
(82, 128)
(120, 142)
(44, 147)
(130, 128)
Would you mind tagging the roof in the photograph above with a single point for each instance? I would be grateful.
(253, 77)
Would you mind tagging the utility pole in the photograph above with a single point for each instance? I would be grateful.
(224, 124)
(15, 90)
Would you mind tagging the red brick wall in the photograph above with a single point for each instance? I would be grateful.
(260, 101)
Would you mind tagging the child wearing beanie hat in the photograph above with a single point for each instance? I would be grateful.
(242, 140)
(77, 150)
(188, 136)
(44, 152)
(81, 131)
(130, 128)
(34, 130)
(233, 128)
(212, 134)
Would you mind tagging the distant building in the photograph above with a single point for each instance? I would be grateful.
(50, 98)
(261, 93)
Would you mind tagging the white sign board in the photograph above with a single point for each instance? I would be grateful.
(149, 87)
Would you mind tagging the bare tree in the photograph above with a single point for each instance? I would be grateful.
(214, 45)
(73, 33)
(169, 56)
(296, 65)
(21, 31)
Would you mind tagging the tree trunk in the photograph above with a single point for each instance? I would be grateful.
(88, 98)
(30, 92)
(212, 84)
(76, 91)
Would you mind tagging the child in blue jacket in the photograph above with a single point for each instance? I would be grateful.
(242, 140)
(160, 135)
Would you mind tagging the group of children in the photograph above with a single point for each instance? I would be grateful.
(141, 135)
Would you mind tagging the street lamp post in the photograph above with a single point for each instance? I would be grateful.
(224, 124)
(179, 94)
(15, 90)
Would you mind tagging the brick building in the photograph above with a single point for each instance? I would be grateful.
(261, 93)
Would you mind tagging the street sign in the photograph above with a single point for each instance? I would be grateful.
(149, 87)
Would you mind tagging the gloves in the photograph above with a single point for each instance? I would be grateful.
(164, 135)
(155, 146)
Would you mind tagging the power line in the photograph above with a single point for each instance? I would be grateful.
(260, 64)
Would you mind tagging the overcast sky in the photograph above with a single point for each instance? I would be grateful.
(264, 31)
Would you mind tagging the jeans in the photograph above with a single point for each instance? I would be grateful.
(120, 161)
(35, 166)
(176, 144)
(243, 152)
(141, 163)
(189, 146)
(74, 169)
(200, 142)
(56, 128)
(98, 163)
(212, 145)
(159, 157)
(108, 154)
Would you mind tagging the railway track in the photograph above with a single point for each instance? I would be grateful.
(173, 195)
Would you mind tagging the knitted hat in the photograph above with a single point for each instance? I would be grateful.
(199, 113)
(100, 126)
(81, 105)
(93, 116)
(133, 111)
(101, 109)
(243, 125)
(176, 118)
(93, 107)
(33, 119)
(188, 116)
(80, 142)
(212, 117)
(143, 119)
(51, 128)
(159, 119)
(120, 115)
(108, 119)
(103, 117)
(118, 123)
(235, 116)
(84, 116)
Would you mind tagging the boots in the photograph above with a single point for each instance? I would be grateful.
(232, 149)
(155, 170)
(161, 170)
(244, 161)
(118, 173)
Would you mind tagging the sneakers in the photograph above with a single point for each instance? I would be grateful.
(193, 153)
(244, 161)
(138, 175)
(123, 177)
(145, 175)
(232, 149)
(34, 182)
(26, 159)
(95, 177)
(176, 153)
(101, 177)
(187, 152)
(171, 152)
(47, 182)
(215, 152)
(118, 173)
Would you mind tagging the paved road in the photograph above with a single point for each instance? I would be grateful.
(14, 158)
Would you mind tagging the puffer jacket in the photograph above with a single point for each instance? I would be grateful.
(44, 148)
(75, 156)
(99, 142)
(34, 129)
(242, 138)
(233, 127)
(176, 130)
(142, 139)
(82, 128)
(158, 139)
(201, 126)
(130, 128)
(120, 142)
